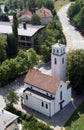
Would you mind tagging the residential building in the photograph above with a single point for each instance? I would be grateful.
(45, 15)
(8, 121)
(26, 32)
(25, 15)
(45, 93)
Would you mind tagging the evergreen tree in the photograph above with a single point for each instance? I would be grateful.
(15, 25)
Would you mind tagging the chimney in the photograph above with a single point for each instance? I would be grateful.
(24, 25)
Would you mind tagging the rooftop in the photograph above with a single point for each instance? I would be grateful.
(43, 81)
(6, 118)
(58, 45)
(6, 28)
(44, 13)
(25, 12)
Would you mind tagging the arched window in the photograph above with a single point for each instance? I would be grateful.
(63, 60)
(26, 97)
(42, 104)
(55, 61)
(46, 106)
(61, 95)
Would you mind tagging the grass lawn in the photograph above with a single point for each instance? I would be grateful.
(60, 3)
(76, 122)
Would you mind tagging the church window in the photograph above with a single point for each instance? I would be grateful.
(47, 94)
(61, 86)
(61, 95)
(63, 60)
(55, 61)
(53, 50)
(42, 104)
(26, 97)
(57, 51)
(46, 106)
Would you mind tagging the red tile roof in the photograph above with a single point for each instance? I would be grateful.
(25, 12)
(45, 82)
(44, 13)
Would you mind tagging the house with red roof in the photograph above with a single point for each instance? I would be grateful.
(45, 15)
(45, 93)
(25, 15)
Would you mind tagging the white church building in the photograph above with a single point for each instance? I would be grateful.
(45, 93)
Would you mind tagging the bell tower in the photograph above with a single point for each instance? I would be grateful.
(58, 61)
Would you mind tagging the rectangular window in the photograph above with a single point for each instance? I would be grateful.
(63, 60)
(61, 95)
(53, 50)
(55, 61)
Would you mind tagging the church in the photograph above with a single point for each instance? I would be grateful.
(45, 93)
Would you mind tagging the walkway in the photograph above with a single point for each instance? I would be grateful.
(73, 37)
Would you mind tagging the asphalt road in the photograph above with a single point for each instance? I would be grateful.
(73, 37)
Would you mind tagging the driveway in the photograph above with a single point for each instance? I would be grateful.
(73, 37)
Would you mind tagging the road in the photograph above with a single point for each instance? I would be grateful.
(73, 37)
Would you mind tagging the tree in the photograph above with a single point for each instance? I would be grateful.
(76, 15)
(11, 45)
(32, 5)
(12, 97)
(75, 69)
(15, 25)
(35, 20)
(2, 47)
(6, 9)
(4, 17)
(79, 19)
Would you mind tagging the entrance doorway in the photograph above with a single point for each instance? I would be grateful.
(61, 104)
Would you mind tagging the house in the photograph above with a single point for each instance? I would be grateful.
(48, 94)
(8, 121)
(26, 32)
(45, 15)
(25, 15)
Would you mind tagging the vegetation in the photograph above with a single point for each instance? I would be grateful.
(76, 121)
(11, 47)
(29, 122)
(52, 35)
(12, 68)
(76, 14)
(35, 20)
(2, 48)
(11, 98)
(15, 26)
(75, 69)
(60, 3)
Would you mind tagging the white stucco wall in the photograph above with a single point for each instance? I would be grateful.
(35, 101)
(66, 96)
(59, 69)
(46, 20)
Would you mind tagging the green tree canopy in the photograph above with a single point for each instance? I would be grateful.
(76, 14)
(75, 69)
(2, 47)
(15, 25)
(11, 45)
(12, 97)
(35, 20)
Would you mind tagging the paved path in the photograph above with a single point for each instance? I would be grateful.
(73, 37)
